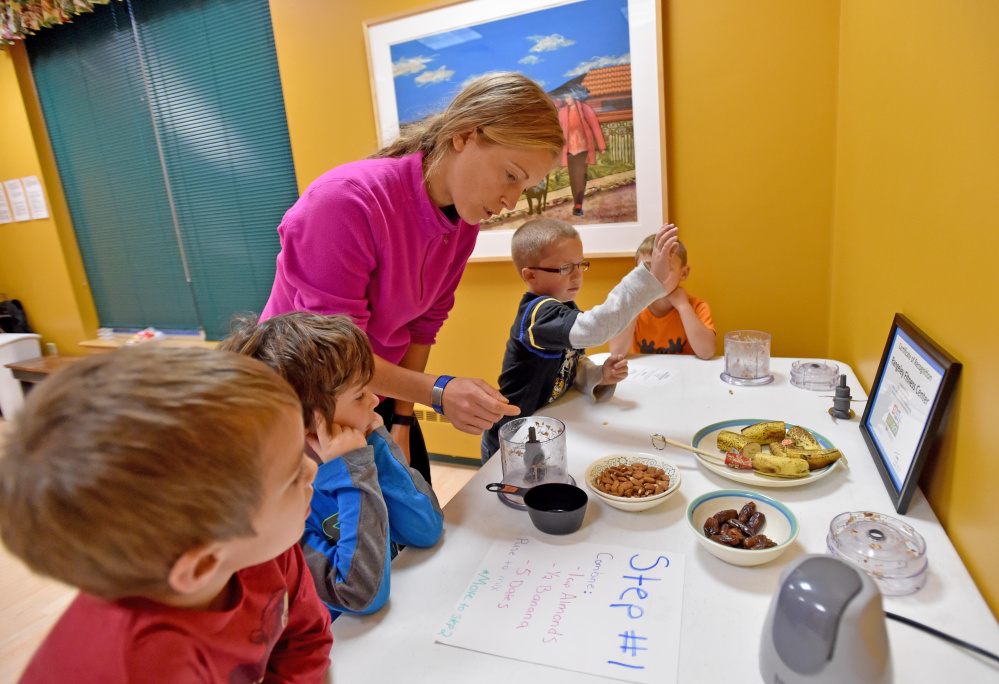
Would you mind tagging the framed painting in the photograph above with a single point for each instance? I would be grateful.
(599, 61)
(905, 415)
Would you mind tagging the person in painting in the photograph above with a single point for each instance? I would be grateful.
(583, 138)
(385, 240)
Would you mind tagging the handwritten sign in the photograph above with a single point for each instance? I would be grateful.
(606, 610)
(647, 376)
(639, 373)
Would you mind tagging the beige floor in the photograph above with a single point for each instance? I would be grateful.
(30, 605)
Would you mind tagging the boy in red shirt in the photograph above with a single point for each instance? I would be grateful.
(675, 324)
(171, 487)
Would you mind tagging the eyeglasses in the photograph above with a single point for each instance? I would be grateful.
(564, 269)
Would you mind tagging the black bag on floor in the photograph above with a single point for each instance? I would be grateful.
(12, 317)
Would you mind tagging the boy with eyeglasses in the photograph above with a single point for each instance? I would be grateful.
(545, 354)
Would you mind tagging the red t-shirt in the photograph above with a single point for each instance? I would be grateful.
(666, 335)
(278, 631)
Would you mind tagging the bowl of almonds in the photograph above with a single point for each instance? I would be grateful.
(632, 481)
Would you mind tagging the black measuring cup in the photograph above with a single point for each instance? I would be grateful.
(555, 508)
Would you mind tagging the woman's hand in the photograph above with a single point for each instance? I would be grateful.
(473, 405)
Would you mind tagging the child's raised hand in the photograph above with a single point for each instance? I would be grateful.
(615, 369)
(662, 254)
(336, 441)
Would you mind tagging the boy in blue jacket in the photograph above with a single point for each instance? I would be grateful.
(367, 503)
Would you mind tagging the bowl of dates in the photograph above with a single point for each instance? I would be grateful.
(742, 527)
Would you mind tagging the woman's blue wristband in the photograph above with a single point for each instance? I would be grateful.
(437, 394)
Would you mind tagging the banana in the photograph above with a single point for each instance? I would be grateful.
(802, 438)
(764, 433)
(816, 458)
(732, 441)
(777, 449)
(779, 466)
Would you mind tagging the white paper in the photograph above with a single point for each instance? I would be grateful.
(36, 197)
(18, 202)
(647, 376)
(606, 610)
(5, 215)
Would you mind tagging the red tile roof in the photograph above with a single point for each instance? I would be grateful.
(607, 80)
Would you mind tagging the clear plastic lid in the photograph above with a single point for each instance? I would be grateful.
(887, 549)
(814, 375)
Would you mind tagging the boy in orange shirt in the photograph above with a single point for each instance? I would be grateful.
(674, 324)
(171, 487)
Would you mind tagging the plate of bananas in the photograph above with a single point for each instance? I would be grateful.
(766, 453)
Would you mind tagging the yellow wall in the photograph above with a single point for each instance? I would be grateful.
(750, 122)
(830, 163)
(35, 266)
(916, 226)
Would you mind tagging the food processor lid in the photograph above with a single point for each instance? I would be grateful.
(878, 544)
(814, 375)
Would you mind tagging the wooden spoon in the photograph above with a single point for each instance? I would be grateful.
(749, 450)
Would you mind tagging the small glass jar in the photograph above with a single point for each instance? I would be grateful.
(818, 376)
(528, 463)
(747, 358)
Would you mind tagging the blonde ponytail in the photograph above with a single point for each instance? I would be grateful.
(507, 108)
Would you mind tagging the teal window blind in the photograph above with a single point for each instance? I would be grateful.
(168, 127)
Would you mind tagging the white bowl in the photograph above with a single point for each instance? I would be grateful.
(624, 503)
(781, 525)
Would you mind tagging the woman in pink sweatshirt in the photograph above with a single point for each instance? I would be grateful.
(386, 240)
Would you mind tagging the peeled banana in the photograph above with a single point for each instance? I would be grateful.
(802, 438)
(780, 466)
(815, 458)
(801, 454)
(776, 448)
(764, 433)
(732, 441)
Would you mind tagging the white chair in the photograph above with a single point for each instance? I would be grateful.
(15, 347)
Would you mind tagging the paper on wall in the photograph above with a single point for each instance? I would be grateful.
(36, 197)
(18, 202)
(606, 610)
(5, 215)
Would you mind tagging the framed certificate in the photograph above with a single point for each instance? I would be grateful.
(905, 416)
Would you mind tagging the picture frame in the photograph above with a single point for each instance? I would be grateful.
(906, 413)
(615, 227)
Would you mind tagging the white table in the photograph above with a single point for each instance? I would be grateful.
(397, 644)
